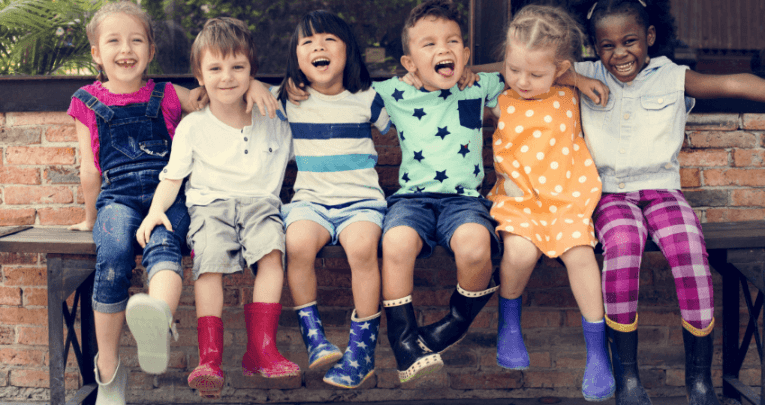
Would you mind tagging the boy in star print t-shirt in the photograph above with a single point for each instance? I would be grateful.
(439, 129)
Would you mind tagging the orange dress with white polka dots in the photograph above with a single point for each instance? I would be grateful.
(547, 184)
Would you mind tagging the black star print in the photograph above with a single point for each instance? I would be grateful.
(398, 95)
(418, 156)
(401, 134)
(460, 190)
(419, 189)
(476, 84)
(445, 94)
(441, 176)
(419, 113)
(405, 177)
(464, 150)
(442, 132)
(477, 170)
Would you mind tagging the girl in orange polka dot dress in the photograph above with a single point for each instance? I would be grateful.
(547, 186)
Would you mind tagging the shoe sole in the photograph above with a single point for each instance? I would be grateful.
(591, 398)
(422, 367)
(328, 359)
(330, 382)
(150, 327)
(208, 386)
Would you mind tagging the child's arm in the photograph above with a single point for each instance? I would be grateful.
(296, 94)
(191, 100)
(743, 85)
(259, 94)
(596, 90)
(89, 177)
(467, 79)
(164, 196)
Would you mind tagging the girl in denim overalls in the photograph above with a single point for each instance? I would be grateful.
(635, 141)
(125, 127)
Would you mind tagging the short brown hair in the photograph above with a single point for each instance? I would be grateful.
(445, 9)
(224, 36)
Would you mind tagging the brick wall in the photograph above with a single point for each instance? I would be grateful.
(723, 176)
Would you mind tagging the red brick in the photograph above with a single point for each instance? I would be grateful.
(19, 175)
(61, 216)
(30, 155)
(753, 121)
(10, 296)
(23, 316)
(16, 195)
(734, 177)
(38, 118)
(24, 276)
(571, 360)
(39, 379)
(33, 335)
(550, 379)
(704, 158)
(24, 216)
(36, 297)
(2, 118)
(720, 122)
(21, 135)
(720, 139)
(540, 319)
(7, 258)
(485, 381)
(748, 197)
(21, 357)
(690, 177)
(748, 158)
(61, 175)
(734, 215)
(7, 335)
(651, 317)
(61, 133)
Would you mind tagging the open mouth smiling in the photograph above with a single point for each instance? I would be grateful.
(126, 63)
(625, 67)
(320, 62)
(445, 68)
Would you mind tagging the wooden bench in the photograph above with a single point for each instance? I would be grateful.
(71, 263)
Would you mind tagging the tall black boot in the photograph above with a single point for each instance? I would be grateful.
(698, 361)
(629, 389)
(449, 330)
(411, 360)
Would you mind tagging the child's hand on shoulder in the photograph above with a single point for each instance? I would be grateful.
(296, 94)
(467, 79)
(198, 98)
(259, 95)
(84, 226)
(153, 218)
(596, 90)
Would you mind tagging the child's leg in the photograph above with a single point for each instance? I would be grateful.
(304, 240)
(360, 241)
(675, 228)
(207, 377)
(471, 244)
(622, 231)
(518, 261)
(208, 295)
(584, 276)
(401, 245)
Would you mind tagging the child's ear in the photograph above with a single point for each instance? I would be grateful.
(651, 35)
(563, 67)
(408, 63)
(467, 56)
(96, 55)
(152, 52)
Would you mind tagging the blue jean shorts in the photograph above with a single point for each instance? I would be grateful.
(334, 218)
(122, 204)
(435, 217)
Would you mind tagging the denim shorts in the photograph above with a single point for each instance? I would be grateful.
(229, 235)
(335, 218)
(122, 204)
(435, 217)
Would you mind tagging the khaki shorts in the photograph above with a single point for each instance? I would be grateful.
(227, 235)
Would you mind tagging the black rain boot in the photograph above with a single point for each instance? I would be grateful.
(449, 330)
(698, 361)
(411, 360)
(629, 389)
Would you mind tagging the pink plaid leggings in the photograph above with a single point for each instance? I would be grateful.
(622, 223)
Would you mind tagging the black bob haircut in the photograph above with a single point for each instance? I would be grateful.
(655, 12)
(355, 75)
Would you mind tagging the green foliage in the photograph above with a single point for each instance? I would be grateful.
(42, 37)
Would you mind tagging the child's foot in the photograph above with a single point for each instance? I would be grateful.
(598, 383)
(358, 363)
(320, 350)
(111, 392)
(208, 380)
(151, 323)
(412, 361)
(262, 357)
(511, 351)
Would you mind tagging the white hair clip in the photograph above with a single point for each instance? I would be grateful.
(589, 14)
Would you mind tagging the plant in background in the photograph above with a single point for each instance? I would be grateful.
(45, 37)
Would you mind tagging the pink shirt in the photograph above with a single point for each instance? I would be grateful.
(171, 109)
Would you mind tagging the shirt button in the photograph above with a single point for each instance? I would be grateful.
(661, 100)
(621, 185)
(627, 116)
(270, 150)
(668, 166)
(622, 151)
(164, 171)
(245, 151)
(245, 139)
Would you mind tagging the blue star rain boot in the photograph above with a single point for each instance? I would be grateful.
(358, 363)
(320, 351)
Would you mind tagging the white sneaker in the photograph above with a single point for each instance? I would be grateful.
(151, 324)
(112, 392)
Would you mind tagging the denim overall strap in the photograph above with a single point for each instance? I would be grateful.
(152, 107)
(101, 109)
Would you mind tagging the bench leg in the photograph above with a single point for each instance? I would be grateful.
(56, 333)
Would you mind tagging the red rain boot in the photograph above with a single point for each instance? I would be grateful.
(208, 378)
(262, 357)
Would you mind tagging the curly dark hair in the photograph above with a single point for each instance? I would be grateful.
(655, 12)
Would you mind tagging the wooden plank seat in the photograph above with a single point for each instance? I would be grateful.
(71, 262)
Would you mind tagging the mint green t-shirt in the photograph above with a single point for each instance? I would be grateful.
(440, 133)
